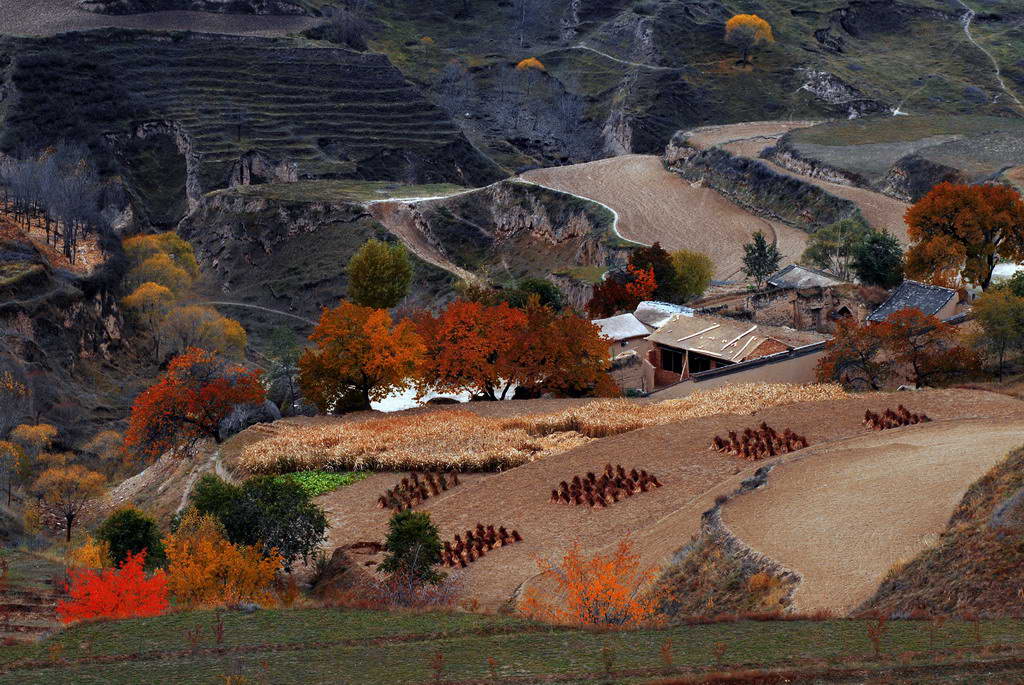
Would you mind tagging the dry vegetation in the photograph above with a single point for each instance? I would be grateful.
(456, 439)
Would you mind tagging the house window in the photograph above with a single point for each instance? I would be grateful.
(672, 360)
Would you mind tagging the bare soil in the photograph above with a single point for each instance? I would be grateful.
(654, 204)
(770, 131)
(50, 17)
(659, 522)
(841, 515)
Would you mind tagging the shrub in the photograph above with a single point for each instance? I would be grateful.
(205, 569)
(130, 531)
(413, 547)
(214, 495)
(604, 590)
(92, 553)
(275, 515)
(115, 593)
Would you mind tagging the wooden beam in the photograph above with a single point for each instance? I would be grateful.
(694, 335)
(733, 341)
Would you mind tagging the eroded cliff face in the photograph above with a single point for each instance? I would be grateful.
(910, 178)
(756, 187)
(839, 95)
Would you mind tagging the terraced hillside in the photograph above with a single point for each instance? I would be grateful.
(261, 110)
(284, 246)
(904, 156)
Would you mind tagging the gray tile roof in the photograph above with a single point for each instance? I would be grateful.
(622, 327)
(798, 276)
(930, 299)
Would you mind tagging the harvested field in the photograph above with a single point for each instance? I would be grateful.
(656, 205)
(50, 17)
(456, 439)
(660, 521)
(710, 136)
(841, 515)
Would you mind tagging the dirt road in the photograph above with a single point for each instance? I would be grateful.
(656, 205)
(402, 219)
(49, 17)
(843, 514)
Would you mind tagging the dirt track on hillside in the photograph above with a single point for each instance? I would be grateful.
(659, 522)
(842, 515)
(656, 205)
(49, 17)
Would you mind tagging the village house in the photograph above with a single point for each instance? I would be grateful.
(629, 345)
(933, 300)
(688, 345)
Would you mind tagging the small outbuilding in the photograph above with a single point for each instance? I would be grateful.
(797, 276)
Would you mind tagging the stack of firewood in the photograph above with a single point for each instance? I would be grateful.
(476, 544)
(761, 443)
(600, 491)
(893, 419)
(417, 488)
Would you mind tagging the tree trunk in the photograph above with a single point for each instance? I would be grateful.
(69, 519)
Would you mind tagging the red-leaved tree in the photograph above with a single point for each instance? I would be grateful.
(198, 390)
(115, 593)
(621, 291)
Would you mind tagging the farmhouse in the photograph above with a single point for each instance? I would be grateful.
(688, 345)
(933, 300)
(629, 345)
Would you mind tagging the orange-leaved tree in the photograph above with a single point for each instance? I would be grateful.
(360, 355)
(605, 590)
(561, 353)
(66, 490)
(204, 569)
(115, 593)
(470, 347)
(927, 347)
(964, 231)
(198, 390)
(747, 32)
(621, 291)
(852, 356)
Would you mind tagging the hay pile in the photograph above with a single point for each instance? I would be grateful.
(460, 440)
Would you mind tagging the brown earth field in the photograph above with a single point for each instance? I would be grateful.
(842, 514)
(661, 521)
(50, 17)
(654, 204)
(750, 139)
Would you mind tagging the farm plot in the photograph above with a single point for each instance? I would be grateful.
(659, 521)
(843, 514)
(656, 205)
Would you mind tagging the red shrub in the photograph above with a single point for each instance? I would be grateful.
(122, 593)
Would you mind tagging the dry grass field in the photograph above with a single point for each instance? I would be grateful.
(460, 440)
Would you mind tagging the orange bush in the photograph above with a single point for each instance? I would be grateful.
(122, 593)
(204, 569)
(605, 590)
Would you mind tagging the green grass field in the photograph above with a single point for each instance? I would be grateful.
(333, 645)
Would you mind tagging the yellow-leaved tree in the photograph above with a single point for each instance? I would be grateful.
(204, 569)
(748, 32)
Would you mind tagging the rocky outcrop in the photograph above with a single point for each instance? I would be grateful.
(753, 185)
(148, 130)
(257, 167)
(286, 7)
(840, 96)
(788, 157)
(910, 178)
(244, 415)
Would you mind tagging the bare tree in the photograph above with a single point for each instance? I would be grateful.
(455, 89)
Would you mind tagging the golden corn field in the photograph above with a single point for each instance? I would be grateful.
(458, 439)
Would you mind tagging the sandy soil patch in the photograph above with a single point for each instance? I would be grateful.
(659, 522)
(843, 514)
(656, 205)
(49, 17)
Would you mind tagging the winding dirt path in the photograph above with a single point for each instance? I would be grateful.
(401, 218)
(653, 204)
(843, 514)
(49, 17)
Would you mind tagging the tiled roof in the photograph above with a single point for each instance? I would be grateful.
(725, 338)
(797, 276)
(656, 314)
(930, 299)
(622, 327)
